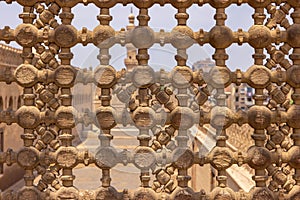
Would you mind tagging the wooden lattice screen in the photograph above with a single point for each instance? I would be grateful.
(48, 116)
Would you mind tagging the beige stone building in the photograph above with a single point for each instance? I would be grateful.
(239, 97)
(10, 101)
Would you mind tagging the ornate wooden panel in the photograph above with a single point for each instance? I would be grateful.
(48, 116)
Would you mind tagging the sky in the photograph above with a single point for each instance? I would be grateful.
(161, 18)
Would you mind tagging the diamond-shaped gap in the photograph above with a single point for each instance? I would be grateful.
(9, 14)
(162, 57)
(162, 17)
(201, 17)
(200, 56)
(201, 175)
(239, 17)
(85, 56)
(240, 57)
(87, 177)
(120, 15)
(85, 16)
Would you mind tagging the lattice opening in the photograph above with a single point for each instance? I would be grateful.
(175, 119)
